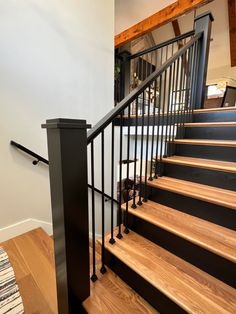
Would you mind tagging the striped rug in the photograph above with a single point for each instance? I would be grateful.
(10, 299)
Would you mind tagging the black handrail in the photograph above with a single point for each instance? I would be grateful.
(110, 116)
(31, 153)
(163, 44)
(40, 158)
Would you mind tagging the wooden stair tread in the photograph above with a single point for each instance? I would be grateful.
(202, 163)
(203, 192)
(228, 143)
(110, 294)
(214, 109)
(212, 237)
(209, 124)
(191, 288)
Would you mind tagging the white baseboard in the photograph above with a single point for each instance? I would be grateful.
(26, 225)
(23, 226)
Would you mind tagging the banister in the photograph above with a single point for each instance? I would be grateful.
(110, 116)
(30, 152)
(163, 44)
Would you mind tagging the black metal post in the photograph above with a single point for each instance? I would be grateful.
(203, 24)
(124, 74)
(67, 150)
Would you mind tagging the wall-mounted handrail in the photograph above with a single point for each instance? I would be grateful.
(109, 117)
(37, 157)
(163, 44)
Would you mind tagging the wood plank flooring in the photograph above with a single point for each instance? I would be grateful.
(32, 259)
(203, 192)
(218, 165)
(192, 289)
(212, 237)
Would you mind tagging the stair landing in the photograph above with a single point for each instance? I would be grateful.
(32, 258)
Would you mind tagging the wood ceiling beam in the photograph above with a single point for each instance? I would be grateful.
(232, 30)
(158, 19)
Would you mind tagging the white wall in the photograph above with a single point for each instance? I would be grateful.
(56, 60)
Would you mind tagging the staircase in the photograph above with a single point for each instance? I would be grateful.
(180, 253)
(173, 238)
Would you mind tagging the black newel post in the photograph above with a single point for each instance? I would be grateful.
(124, 74)
(203, 24)
(67, 149)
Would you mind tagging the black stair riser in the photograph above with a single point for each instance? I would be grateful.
(213, 133)
(226, 116)
(209, 262)
(209, 152)
(220, 215)
(163, 120)
(156, 298)
(220, 179)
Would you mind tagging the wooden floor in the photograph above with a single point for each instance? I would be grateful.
(32, 258)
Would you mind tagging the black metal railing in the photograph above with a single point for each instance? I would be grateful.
(166, 95)
(132, 70)
(142, 128)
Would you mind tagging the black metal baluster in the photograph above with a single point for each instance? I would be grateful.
(153, 129)
(167, 114)
(94, 276)
(141, 154)
(119, 235)
(170, 146)
(103, 268)
(126, 230)
(175, 101)
(193, 81)
(189, 83)
(147, 143)
(135, 154)
(161, 55)
(112, 240)
(180, 97)
(162, 127)
(158, 127)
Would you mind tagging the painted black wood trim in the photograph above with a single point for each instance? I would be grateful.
(220, 215)
(217, 133)
(220, 179)
(209, 152)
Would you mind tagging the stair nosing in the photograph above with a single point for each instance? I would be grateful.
(180, 234)
(220, 109)
(206, 142)
(209, 124)
(200, 164)
(193, 194)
